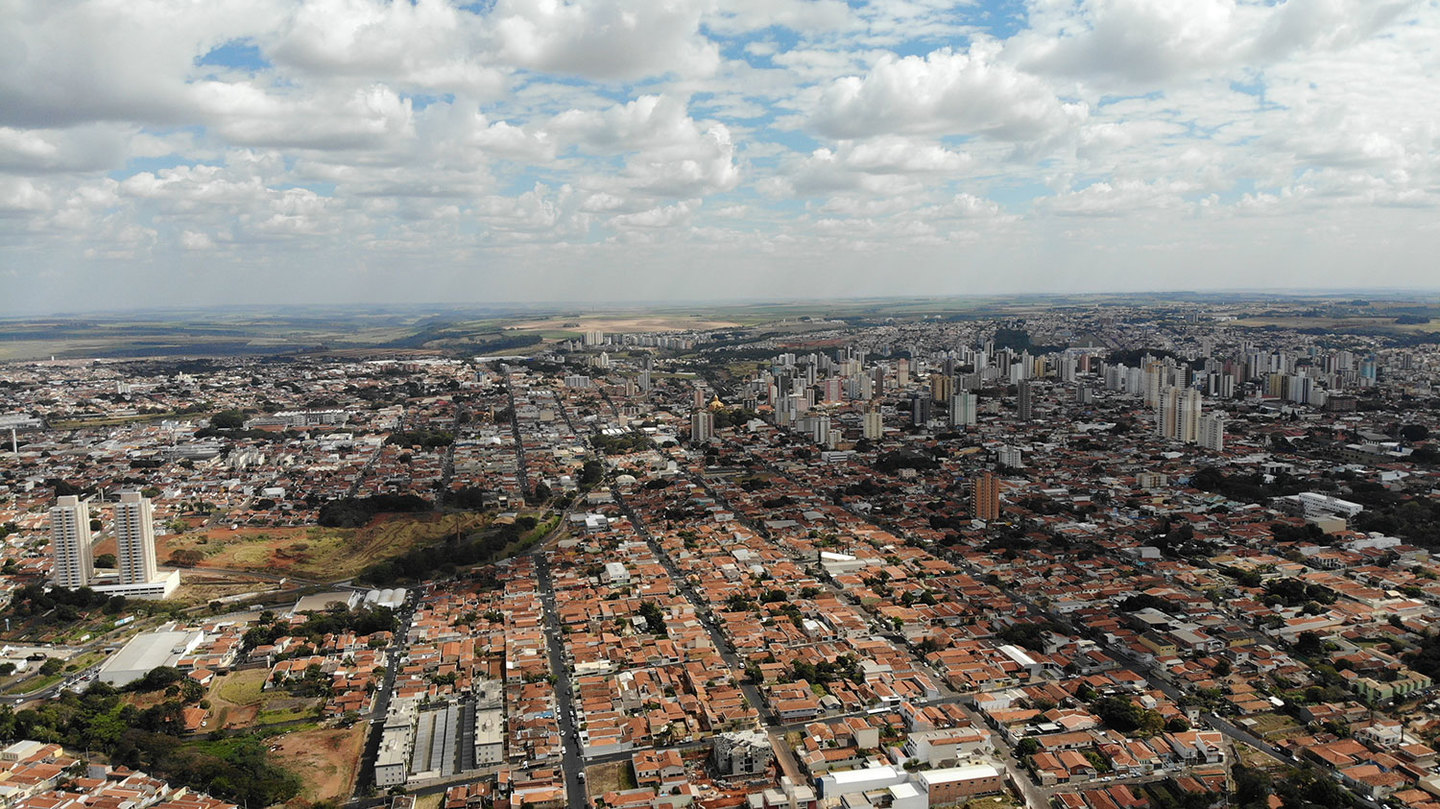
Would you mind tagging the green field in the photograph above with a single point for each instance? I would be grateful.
(467, 330)
(317, 553)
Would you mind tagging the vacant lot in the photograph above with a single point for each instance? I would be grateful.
(239, 700)
(327, 760)
(603, 778)
(1273, 726)
(1256, 760)
(198, 587)
(316, 553)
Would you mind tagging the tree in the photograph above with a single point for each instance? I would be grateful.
(1414, 432)
(1309, 644)
(228, 420)
(156, 679)
(1126, 716)
(591, 473)
(654, 618)
(1252, 787)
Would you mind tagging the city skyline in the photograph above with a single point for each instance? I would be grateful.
(354, 152)
(1058, 553)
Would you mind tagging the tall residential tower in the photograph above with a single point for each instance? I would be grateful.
(135, 538)
(70, 542)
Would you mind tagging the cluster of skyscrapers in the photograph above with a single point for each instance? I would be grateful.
(72, 548)
(1179, 416)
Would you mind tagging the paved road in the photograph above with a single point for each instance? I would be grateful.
(521, 470)
(702, 609)
(366, 775)
(354, 489)
(572, 763)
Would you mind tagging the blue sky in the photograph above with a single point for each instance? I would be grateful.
(515, 150)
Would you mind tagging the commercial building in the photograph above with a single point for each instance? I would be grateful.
(817, 427)
(489, 737)
(963, 409)
(942, 387)
(1212, 431)
(836, 785)
(161, 587)
(955, 784)
(148, 651)
(1009, 457)
(325, 602)
(392, 762)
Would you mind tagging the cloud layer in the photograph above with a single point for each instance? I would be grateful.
(160, 152)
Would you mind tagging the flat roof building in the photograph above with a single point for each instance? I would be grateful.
(955, 784)
(148, 651)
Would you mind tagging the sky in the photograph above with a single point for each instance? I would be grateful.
(177, 153)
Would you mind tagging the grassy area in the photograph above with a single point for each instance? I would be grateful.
(240, 687)
(294, 711)
(613, 777)
(529, 537)
(239, 699)
(84, 661)
(324, 554)
(1272, 725)
(48, 628)
(19, 686)
(75, 424)
(1256, 760)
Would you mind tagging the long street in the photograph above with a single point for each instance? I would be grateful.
(572, 762)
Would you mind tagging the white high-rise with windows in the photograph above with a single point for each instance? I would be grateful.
(1212, 431)
(702, 426)
(70, 542)
(1177, 416)
(962, 410)
(135, 538)
(873, 426)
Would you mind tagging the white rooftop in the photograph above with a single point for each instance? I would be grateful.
(969, 772)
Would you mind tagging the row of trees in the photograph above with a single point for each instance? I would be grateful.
(453, 554)
(622, 444)
(60, 604)
(429, 439)
(353, 512)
